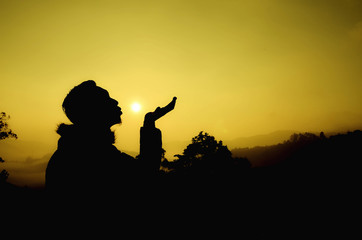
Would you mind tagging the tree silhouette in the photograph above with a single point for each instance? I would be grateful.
(5, 132)
(3, 175)
(304, 137)
(205, 156)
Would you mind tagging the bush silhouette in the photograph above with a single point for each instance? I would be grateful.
(206, 156)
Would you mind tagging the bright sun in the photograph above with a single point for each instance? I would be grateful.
(136, 107)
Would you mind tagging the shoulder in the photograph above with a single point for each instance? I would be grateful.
(119, 154)
(126, 157)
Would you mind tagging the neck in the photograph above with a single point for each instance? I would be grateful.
(94, 127)
(102, 133)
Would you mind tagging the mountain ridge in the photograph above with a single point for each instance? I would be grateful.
(260, 139)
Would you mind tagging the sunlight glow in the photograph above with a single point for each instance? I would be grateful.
(136, 107)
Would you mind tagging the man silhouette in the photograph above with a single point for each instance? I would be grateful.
(86, 159)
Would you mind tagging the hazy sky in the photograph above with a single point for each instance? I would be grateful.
(238, 68)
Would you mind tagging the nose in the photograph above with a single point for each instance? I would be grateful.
(115, 102)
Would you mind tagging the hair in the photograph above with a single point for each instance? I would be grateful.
(77, 104)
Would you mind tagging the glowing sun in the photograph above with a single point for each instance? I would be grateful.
(136, 107)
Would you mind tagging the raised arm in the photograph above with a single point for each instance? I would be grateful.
(151, 139)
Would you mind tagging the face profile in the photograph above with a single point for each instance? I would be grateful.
(108, 113)
(88, 104)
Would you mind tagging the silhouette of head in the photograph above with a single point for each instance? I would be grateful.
(89, 105)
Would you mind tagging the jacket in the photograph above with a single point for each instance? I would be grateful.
(87, 161)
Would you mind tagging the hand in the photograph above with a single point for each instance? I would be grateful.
(151, 117)
(160, 112)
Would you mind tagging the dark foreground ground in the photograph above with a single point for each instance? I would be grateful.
(313, 194)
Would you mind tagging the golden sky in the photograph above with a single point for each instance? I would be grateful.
(238, 68)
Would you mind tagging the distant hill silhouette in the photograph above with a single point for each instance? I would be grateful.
(29, 172)
(307, 149)
(19, 150)
(260, 140)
